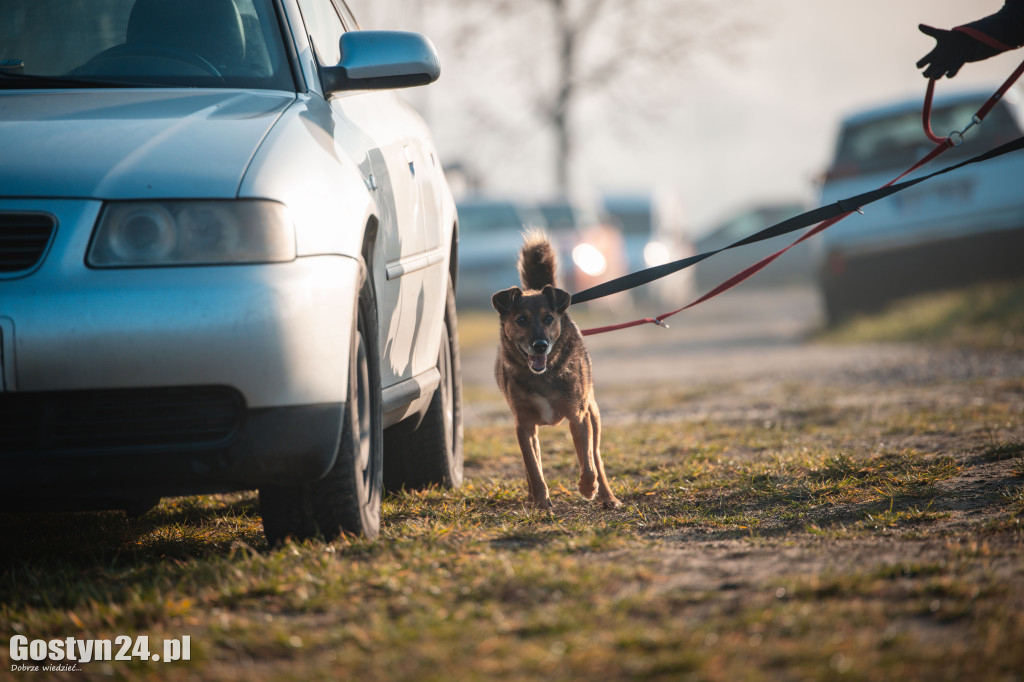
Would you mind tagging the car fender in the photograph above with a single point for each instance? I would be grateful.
(300, 165)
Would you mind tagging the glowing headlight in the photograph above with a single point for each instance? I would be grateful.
(655, 253)
(155, 233)
(589, 259)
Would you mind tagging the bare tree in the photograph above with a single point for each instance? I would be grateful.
(631, 53)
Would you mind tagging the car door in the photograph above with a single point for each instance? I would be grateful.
(372, 128)
(432, 195)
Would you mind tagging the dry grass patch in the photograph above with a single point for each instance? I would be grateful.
(798, 549)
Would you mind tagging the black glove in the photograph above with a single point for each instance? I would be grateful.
(952, 49)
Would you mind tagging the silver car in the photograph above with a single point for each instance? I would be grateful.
(962, 228)
(227, 261)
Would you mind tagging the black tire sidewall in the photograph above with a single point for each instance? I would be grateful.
(348, 499)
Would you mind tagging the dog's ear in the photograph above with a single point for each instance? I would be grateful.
(559, 299)
(505, 299)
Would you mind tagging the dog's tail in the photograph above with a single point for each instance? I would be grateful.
(537, 261)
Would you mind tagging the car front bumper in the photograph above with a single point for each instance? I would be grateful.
(106, 350)
(867, 281)
(105, 449)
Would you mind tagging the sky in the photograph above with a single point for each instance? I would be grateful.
(757, 127)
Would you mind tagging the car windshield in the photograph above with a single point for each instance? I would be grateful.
(559, 216)
(898, 140)
(169, 43)
(491, 217)
(633, 220)
(567, 216)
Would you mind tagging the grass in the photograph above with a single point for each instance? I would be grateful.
(478, 328)
(986, 316)
(742, 551)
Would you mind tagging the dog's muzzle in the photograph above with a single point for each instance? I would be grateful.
(538, 356)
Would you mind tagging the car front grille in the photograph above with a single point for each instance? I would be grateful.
(23, 240)
(129, 419)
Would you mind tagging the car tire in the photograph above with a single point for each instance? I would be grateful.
(287, 512)
(139, 506)
(348, 498)
(837, 306)
(428, 452)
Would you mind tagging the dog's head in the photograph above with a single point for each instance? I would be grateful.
(532, 321)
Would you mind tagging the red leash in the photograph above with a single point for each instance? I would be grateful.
(954, 139)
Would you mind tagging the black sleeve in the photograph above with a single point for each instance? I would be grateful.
(1005, 26)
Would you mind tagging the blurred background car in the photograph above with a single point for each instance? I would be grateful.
(655, 232)
(591, 248)
(960, 228)
(490, 235)
(491, 230)
(796, 266)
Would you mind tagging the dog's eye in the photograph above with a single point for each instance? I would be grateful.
(522, 321)
(548, 319)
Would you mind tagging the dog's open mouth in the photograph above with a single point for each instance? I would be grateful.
(538, 363)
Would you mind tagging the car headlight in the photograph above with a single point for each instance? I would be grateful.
(656, 253)
(589, 259)
(160, 233)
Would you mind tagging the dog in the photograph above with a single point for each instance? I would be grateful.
(545, 373)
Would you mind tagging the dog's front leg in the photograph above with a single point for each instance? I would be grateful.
(604, 489)
(582, 429)
(529, 443)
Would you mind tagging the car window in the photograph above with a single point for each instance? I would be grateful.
(559, 216)
(325, 29)
(191, 43)
(898, 140)
(490, 217)
(568, 216)
(634, 221)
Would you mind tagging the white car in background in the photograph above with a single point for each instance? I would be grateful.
(227, 261)
(959, 228)
(592, 250)
(490, 236)
(655, 231)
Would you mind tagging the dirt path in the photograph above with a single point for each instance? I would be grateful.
(747, 354)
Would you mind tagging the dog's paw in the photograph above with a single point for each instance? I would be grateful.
(611, 502)
(543, 505)
(588, 486)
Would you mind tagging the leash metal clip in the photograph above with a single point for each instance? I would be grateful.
(658, 322)
(959, 139)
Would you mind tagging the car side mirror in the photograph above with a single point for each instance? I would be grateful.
(382, 60)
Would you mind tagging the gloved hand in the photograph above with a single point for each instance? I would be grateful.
(952, 49)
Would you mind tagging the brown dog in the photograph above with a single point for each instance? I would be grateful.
(545, 372)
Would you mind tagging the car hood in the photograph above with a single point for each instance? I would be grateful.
(131, 144)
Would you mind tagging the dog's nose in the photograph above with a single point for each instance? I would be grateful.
(540, 346)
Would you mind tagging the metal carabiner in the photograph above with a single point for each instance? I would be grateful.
(959, 139)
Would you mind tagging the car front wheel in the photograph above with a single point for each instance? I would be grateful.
(348, 498)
